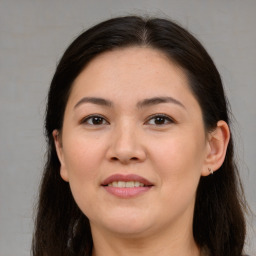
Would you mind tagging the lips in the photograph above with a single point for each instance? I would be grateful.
(126, 179)
(126, 186)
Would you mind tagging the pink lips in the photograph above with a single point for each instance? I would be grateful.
(126, 192)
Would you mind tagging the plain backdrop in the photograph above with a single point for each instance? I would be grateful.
(33, 36)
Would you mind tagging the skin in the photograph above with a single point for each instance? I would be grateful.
(172, 154)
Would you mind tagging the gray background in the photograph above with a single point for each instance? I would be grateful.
(33, 36)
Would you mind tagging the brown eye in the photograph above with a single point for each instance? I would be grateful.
(95, 120)
(160, 120)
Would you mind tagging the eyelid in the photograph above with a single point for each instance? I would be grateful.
(85, 119)
(167, 117)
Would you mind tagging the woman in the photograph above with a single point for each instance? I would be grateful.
(140, 154)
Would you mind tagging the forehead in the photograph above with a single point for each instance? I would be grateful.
(129, 75)
(142, 67)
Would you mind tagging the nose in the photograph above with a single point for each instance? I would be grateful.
(126, 145)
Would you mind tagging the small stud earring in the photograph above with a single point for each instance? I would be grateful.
(210, 170)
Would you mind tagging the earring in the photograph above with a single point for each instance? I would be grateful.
(210, 170)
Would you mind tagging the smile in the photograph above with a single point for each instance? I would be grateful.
(126, 186)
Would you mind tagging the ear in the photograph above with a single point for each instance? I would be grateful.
(59, 149)
(216, 148)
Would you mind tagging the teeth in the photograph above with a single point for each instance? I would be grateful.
(121, 184)
(127, 184)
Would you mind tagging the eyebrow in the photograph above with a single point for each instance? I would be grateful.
(141, 104)
(94, 100)
(158, 100)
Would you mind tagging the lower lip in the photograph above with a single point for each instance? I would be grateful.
(126, 192)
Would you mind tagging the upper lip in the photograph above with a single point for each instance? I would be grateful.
(127, 177)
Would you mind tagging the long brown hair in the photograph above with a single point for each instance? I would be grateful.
(219, 224)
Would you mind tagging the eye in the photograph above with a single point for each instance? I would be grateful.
(159, 119)
(95, 120)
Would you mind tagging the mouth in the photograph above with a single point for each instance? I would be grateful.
(126, 186)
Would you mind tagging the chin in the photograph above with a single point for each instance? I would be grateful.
(126, 223)
(128, 230)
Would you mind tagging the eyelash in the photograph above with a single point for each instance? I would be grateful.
(167, 120)
(102, 118)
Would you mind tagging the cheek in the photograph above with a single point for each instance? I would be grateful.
(82, 159)
(179, 159)
(178, 163)
(178, 152)
(82, 154)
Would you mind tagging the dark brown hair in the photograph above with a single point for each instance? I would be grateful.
(219, 224)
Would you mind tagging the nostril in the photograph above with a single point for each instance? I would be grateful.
(114, 159)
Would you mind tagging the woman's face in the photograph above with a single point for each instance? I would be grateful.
(133, 144)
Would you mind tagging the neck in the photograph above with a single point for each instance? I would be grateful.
(164, 243)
